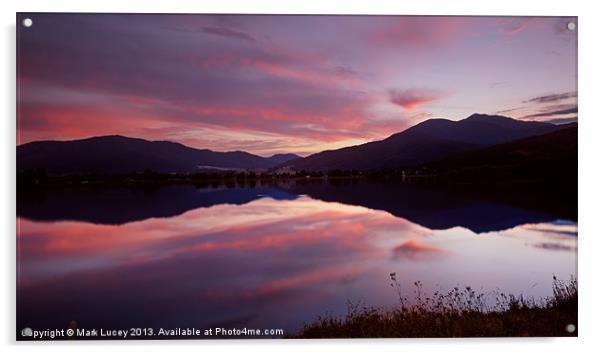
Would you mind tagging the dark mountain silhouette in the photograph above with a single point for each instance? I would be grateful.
(281, 158)
(430, 140)
(118, 154)
(548, 158)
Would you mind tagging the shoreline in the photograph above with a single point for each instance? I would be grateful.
(457, 313)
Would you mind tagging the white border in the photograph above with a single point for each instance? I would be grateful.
(590, 118)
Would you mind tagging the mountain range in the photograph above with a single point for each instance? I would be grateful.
(429, 141)
(116, 154)
(547, 157)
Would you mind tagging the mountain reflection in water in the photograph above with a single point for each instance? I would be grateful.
(431, 208)
(273, 256)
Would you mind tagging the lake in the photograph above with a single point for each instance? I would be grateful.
(274, 255)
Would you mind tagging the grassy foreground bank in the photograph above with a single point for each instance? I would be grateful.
(457, 313)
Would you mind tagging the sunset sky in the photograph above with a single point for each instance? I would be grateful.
(272, 84)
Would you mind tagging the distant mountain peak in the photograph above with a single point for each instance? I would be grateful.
(281, 158)
(426, 141)
(128, 138)
(443, 123)
(487, 117)
(482, 116)
(285, 155)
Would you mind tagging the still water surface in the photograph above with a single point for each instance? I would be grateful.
(269, 256)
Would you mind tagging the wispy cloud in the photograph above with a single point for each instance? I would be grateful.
(509, 110)
(228, 32)
(497, 84)
(552, 98)
(562, 120)
(420, 32)
(345, 72)
(550, 113)
(515, 24)
(551, 246)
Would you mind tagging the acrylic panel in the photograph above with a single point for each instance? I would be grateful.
(191, 176)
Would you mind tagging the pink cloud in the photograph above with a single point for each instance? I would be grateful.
(413, 250)
(314, 118)
(513, 25)
(421, 32)
(413, 98)
(314, 76)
